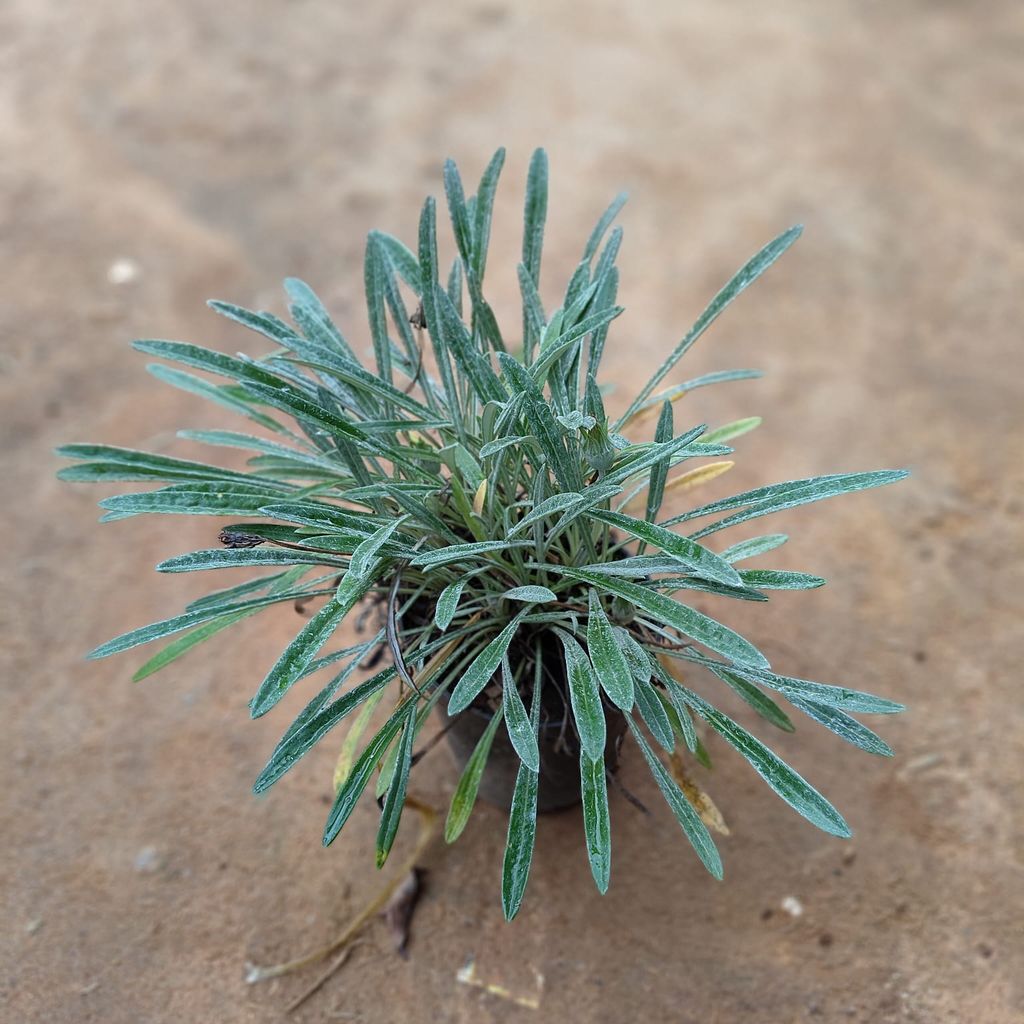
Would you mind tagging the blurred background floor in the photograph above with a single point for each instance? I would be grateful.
(157, 155)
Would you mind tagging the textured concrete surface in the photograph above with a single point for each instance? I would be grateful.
(220, 147)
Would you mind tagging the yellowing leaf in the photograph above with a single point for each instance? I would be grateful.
(348, 749)
(702, 803)
(478, 498)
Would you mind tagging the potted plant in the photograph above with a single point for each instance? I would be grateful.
(467, 497)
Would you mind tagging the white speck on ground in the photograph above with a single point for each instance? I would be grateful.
(123, 271)
(792, 906)
(148, 860)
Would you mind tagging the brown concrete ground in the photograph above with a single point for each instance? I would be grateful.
(223, 146)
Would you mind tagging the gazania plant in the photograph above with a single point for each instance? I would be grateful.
(463, 495)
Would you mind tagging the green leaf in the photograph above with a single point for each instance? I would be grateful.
(567, 340)
(166, 627)
(745, 276)
(844, 726)
(542, 424)
(534, 216)
(693, 623)
(779, 579)
(352, 789)
(402, 259)
(483, 667)
(534, 318)
(457, 552)
(718, 377)
(365, 382)
(517, 723)
(216, 393)
(263, 323)
(753, 547)
(654, 715)
(343, 766)
(762, 704)
(697, 559)
(482, 211)
(458, 212)
(294, 659)
(566, 502)
(693, 828)
(522, 822)
(608, 660)
(475, 367)
(659, 471)
(603, 224)
(464, 796)
(395, 800)
(229, 558)
(840, 697)
(596, 821)
(728, 431)
(798, 793)
(533, 595)
(585, 697)
(447, 602)
(373, 274)
(763, 500)
(309, 313)
(229, 594)
(287, 399)
(493, 447)
(184, 644)
(199, 499)
(126, 464)
(639, 458)
(311, 727)
(208, 359)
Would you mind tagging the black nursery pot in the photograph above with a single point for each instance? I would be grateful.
(559, 785)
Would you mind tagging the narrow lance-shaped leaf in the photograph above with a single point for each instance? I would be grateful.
(216, 393)
(693, 828)
(166, 627)
(310, 314)
(609, 662)
(597, 828)
(531, 595)
(745, 276)
(584, 696)
(522, 818)
(482, 211)
(753, 547)
(520, 730)
(464, 796)
(699, 560)
(728, 431)
(181, 646)
(534, 216)
(654, 715)
(229, 558)
(775, 498)
(352, 788)
(541, 423)
(798, 793)
(659, 471)
(395, 800)
(693, 623)
(447, 602)
(483, 667)
(296, 656)
(314, 723)
(845, 726)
